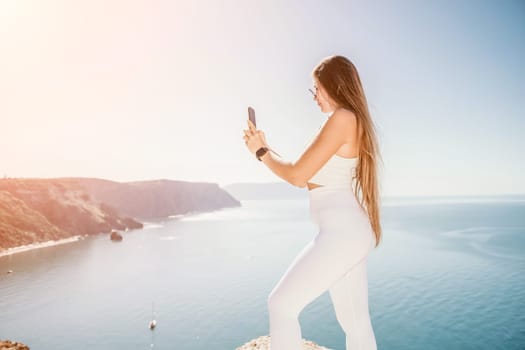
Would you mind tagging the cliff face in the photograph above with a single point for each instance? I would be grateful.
(157, 198)
(39, 210)
(21, 225)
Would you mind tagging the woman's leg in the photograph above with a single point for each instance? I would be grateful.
(315, 269)
(350, 298)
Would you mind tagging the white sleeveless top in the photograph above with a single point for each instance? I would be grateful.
(337, 172)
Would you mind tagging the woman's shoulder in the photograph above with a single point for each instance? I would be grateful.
(341, 118)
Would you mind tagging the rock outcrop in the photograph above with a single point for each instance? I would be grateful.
(262, 343)
(10, 345)
(115, 236)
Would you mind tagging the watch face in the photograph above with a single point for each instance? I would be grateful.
(261, 152)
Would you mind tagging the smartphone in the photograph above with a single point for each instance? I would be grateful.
(251, 115)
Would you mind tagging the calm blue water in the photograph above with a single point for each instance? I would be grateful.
(447, 276)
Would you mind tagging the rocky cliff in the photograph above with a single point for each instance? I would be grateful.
(39, 210)
(263, 343)
(156, 198)
(21, 225)
(12, 345)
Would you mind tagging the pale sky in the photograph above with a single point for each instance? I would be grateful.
(140, 90)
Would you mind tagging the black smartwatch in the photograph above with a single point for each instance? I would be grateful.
(261, 152)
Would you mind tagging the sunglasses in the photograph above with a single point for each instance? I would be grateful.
(312, 91)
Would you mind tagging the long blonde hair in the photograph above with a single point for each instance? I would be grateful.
(339, 77)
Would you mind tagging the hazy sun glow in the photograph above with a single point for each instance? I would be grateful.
(139, 90)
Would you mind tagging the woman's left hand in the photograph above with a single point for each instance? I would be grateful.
(253, 138)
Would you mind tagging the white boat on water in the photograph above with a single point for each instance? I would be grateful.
(153, 322)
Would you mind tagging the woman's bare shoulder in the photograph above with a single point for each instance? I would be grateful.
(342, 120)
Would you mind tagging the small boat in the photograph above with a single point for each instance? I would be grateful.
(153, 322)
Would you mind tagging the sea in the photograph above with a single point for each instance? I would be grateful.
(448, 274)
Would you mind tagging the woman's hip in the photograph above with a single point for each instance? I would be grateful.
(337, 211)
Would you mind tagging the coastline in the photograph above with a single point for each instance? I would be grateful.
(27, 247)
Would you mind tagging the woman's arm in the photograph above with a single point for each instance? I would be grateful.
(281, 168)
(333, 134)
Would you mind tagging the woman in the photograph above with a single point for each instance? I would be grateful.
(340, 170)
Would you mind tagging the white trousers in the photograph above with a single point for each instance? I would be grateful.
(335, 260)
